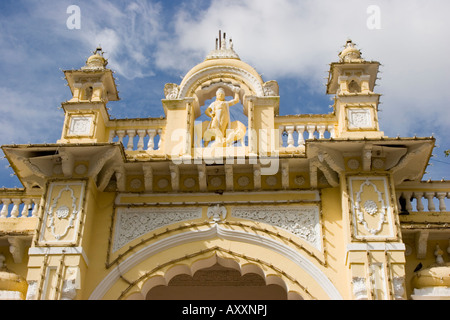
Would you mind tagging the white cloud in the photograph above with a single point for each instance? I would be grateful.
(299, 39)
(285, 40)
(28, 118)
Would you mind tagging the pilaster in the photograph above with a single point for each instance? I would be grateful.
(375, 252)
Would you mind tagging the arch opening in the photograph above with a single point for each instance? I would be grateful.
(217, 283)
(215, 278)
(140, 285)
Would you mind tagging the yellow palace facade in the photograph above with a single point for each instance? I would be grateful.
(308, 206)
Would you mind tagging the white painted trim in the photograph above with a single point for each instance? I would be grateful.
(10, 295)
(431, 293)
(376, 246)
(40, 251)
(202, 235)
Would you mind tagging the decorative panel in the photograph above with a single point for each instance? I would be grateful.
(63, 209)
(300, 220)
(80, 126)
(360, 118)
(371, 208)
(131, 223)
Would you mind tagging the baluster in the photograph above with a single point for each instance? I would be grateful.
(290, 140)
(4, 212)
(121, 135)
(441, 196)
(131, 134)
(430, 196)
(151, 140)
(141, 133)
(15, 209)
(281, 130)
(301, 139)
(408, 206)
(311, 129)
(112, 134)
(321, 129)
(34, 213)
(419, 196)
(26, 207)
(159, 132)
(331, 131)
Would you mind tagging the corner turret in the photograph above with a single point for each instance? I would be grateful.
(352, 80)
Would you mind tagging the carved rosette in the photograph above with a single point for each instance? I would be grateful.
(217, 213)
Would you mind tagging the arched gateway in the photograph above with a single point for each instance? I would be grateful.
(228, 245)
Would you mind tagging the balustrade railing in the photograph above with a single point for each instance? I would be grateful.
(18, 206)
(140, 136)
(295, 132)
(433, 196)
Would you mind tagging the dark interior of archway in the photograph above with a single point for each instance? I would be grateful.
(217, 283)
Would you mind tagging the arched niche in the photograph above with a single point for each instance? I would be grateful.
(204, 93)
(202, 82)
(250, 281)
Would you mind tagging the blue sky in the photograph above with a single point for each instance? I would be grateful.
(150, 43)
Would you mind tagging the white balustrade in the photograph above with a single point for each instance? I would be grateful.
(18, 207)
(296, 133)
(414, 201)
(134, 139)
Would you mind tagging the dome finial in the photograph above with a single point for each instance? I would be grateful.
(98, 51)
(222, 51)
(96, 60)
(350, 53)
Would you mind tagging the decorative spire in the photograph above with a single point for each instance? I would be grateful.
(350, 53)
(96, 61)
(222, 51)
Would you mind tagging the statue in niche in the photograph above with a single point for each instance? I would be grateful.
(220, 128)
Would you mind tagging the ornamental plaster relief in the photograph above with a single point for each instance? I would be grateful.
(371, 208)
(302, 221)
(62, 212)
(131, 223)
(359, 118)
(80, 126)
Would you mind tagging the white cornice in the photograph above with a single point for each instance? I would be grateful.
(41, 251)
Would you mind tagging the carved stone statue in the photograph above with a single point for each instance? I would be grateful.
(220, 128)
(219, 113)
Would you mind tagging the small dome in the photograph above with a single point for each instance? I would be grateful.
(350, 53)
(96, 61)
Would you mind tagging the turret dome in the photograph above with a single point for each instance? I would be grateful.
(350, 53)
(96, 61)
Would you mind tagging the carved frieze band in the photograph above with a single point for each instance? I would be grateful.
(131, 223)
(302, 221)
